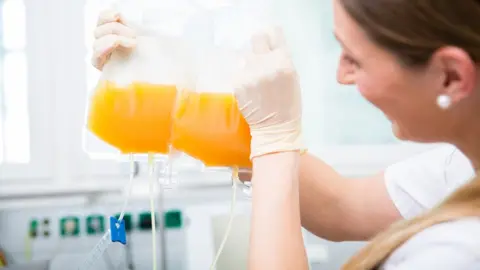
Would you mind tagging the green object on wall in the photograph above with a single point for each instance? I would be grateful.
(95, 224)
(69, 226)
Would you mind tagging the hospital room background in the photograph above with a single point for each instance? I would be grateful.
(56, 196)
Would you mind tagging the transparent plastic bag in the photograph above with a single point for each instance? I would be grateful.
(208, 125)
(132, 106)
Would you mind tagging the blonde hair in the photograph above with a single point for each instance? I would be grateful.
(465, 202)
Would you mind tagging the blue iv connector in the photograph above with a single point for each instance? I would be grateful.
(117, 229)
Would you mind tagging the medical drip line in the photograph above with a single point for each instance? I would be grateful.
(129, 188)
(230, 219)
(151, 167)
(106, 240)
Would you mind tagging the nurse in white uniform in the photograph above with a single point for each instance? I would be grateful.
(421, 97)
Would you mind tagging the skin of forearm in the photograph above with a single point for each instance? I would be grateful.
(321, 207)
(337, 208)
(276, 240)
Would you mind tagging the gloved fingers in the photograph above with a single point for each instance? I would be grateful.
(107, 16)
(108, 43)
(260, 43)
(239, 93)
(114, 28)
(269, 49)
(258, 58)
(277, 38)
(279, 57)
(103, 48)
(265, 67)
(243, 82)
(269, 40)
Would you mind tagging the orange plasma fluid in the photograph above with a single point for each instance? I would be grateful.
(134, 119)
(210, 128)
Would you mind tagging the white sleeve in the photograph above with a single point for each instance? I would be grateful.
(421, 182)
(439, 257)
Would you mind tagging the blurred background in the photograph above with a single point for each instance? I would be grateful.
(55, 198)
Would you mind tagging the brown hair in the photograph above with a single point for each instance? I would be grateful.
(413, 31)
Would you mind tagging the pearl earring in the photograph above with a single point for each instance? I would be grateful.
(444, 102)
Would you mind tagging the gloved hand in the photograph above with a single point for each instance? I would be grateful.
(111, 33)
(268, 95)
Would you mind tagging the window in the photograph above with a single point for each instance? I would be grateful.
(42, 94)
(22, 115)
(346, 117)
(14, 124)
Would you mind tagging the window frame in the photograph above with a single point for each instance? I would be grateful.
(38, 107)
(56, 148)
(71, 68)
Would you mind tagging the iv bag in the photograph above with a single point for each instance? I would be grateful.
(132, 105)
(208, 125)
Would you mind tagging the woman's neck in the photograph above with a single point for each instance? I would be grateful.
(469, 144)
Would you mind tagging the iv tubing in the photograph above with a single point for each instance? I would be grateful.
(129, 188)
(230, 219)
(151, 165)
(105, 242)
(97, 251)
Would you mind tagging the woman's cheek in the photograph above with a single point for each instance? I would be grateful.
(365, 89)
(370, 90)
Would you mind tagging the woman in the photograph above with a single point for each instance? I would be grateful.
(407, 55)
(422, 73)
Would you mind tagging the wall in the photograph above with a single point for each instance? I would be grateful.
(190, 248)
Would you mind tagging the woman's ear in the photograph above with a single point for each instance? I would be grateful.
(459, 73)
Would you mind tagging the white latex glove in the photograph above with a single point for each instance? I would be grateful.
(268, 95)
(111, 33)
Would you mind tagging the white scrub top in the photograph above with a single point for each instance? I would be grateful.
(419, 183)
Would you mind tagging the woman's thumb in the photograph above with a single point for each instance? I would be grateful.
(260, 43)
(276, 38)
(269, 40)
